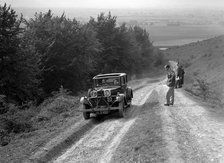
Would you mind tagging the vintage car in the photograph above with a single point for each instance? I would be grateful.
(109, 93)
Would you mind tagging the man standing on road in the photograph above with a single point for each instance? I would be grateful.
(180, 76)
(171, 85)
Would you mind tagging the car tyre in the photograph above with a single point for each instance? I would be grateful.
(121, 109)
(86, 115)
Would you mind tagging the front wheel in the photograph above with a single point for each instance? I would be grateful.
(121, 109)
(86, 115)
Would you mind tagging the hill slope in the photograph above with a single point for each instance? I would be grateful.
(204, 64)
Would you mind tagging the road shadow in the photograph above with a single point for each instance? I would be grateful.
(144, 142)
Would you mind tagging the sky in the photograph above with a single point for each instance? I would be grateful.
(129, 4)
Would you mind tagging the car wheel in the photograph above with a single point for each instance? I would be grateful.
(86, 115)
(121, 109)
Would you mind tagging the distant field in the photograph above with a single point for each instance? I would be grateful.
(177, 42)
(179, 35)
(161, 34)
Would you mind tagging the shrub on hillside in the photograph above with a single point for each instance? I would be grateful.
(3, 104)
(200, 88)
(61, 102)
(15, 121)
(203, 87)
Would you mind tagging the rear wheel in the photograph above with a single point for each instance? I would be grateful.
(86, 115)
(121, 109)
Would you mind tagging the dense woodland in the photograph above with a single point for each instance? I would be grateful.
(39, 55)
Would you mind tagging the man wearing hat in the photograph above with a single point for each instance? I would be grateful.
(171, 84)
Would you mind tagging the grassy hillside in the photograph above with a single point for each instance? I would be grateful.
(204, 65)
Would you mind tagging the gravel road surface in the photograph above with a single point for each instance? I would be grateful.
(190, 131)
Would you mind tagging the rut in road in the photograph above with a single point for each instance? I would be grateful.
(99, 144)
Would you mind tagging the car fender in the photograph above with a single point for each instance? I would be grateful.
(84, 100)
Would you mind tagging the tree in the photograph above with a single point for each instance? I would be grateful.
(67, 49)
(18, 67)
(145, 46)
(105, 27)
(124, 49)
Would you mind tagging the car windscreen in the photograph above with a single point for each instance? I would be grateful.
(107, 82)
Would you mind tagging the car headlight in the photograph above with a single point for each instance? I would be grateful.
(107, 93)
(82, 100)
(93, 94)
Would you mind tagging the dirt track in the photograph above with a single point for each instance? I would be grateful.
(189, 131)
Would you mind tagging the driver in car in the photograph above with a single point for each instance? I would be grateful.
(116, 82)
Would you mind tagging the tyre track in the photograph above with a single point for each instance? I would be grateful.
(85, 150)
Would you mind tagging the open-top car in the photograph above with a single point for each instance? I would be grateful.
(109, 93)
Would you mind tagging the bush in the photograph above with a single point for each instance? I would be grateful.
(3, 104)
(16, 126)
(12, 125)
(204, 87)
(200, 88)
(61, 92)
(16, 121)
(60, 103)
